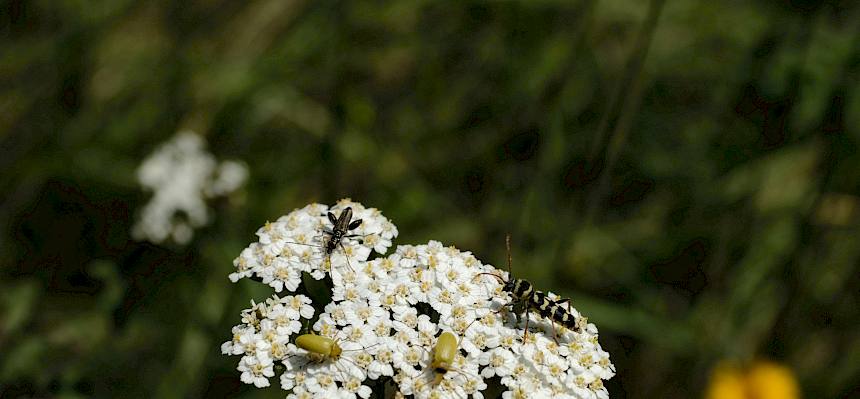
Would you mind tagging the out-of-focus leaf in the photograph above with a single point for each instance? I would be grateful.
(781, 181)
(19, 299)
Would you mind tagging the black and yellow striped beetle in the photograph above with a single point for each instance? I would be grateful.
(523, 291)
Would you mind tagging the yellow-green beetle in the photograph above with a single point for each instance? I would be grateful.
(324, 347)
(444, 356)
(444, 352)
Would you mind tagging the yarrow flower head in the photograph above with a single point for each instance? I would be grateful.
(428, 318)
(182, 175)
(303, 241)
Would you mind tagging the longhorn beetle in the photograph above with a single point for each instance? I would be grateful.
(325, 347)
(340, 228)
(523, 291)
(444, 359)
(321, 349)
(341, 225)
(444, 352)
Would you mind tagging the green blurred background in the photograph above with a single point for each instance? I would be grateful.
(686, 171)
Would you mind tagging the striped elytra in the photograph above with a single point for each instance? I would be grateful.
(522, 290)
(519, 288)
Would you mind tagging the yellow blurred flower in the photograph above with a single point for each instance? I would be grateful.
(727, 382)
(766, 380)
(763, 380)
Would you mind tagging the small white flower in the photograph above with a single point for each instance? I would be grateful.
(256, 369)
(245, 264)
(297, 306)
(298, 392)
(242, 335)
(363, 313)
(381, 365)
(354, 387)
(281, 275)
(498, 361)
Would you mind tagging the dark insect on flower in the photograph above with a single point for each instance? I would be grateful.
(341, 225)
(523, 291)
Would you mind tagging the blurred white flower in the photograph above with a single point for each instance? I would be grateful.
(229, 176)
(182, 174)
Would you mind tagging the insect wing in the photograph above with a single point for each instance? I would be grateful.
(343, 221)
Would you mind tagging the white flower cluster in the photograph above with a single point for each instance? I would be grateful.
(387, 314)
(182, 175)
(264, 335)
(296, 244)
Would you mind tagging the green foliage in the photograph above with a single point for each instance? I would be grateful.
(686, 171)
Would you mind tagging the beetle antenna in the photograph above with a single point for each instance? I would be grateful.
(363, 348)
(463, 373)
(490, 274)
(469, 326)
(340, 370)
(346, 256)
(508, 246)
(426, 351)
(301, 243)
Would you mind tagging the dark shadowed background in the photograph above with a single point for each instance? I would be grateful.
(686, 171)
